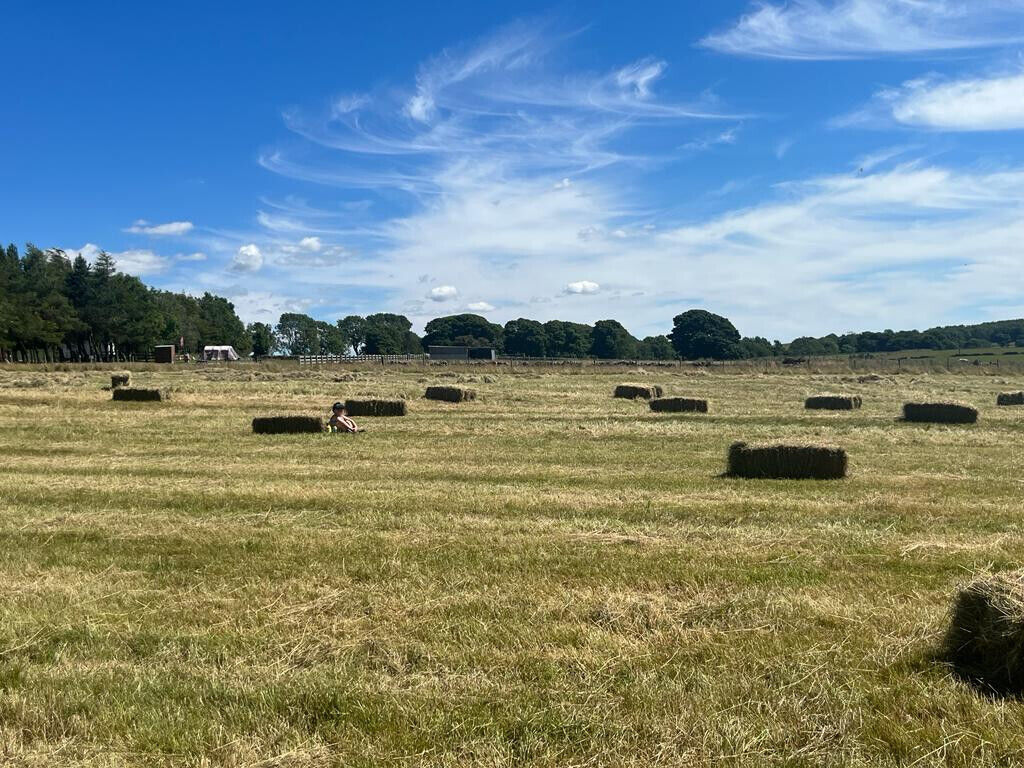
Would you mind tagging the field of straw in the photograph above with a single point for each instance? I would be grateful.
(547, 576)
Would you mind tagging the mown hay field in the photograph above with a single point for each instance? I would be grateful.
(547, 576)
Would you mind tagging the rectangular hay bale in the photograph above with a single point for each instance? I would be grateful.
(450, 394)
(376, 407)
(1010, 398)
(137, 394)
(287, 425)
(787, 462)
(940, 413)
(679, 405)
(637, 391)
(833, 402)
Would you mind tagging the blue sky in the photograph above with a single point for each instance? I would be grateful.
(802, 167)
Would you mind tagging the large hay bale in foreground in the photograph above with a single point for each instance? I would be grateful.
(128, 393)
(789, 462)
(1010, 398)
(287, 425)
(833, 402)
(940, 413)
(679, 405)
(450, 394)
(636, 391)
(376, 407)
(985, 639)
(120, 380)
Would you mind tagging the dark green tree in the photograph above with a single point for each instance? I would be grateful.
(611, 341)
(463, 330)
(656, 348)
(263, 341)
(353, 332)
(525, 337)
(698, 334)
(566, 339)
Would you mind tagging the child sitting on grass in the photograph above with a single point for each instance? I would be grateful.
(340, 422)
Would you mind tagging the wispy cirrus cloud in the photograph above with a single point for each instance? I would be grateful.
(994, 103)
(171, 228)
(516, 181)
(851, 29)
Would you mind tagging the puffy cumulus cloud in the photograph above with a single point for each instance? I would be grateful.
(143, 227)
(847, 29)
(133, 262)
(480, 306)
(265, 306)
(969, 104)
(442, 293)
(248, 258)
(139, 262)
(311, 244)
(581, 287)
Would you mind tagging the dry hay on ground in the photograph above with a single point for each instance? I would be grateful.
(985, 639)
(376, 407)
(833, 402)
(679, 405)
(1010, 398)
(793, 462)
(120, 380)
(635, 391)
(283, 425)
(450, 394)
(128, 393)
(940, 413)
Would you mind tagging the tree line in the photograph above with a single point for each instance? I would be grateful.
(54, 308)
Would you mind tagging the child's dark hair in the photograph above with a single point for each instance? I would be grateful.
(338, 407)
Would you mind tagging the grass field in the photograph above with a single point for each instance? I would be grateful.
(545, 577)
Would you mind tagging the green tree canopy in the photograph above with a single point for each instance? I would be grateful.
(525, 337)
(698, 334)
(611, 341)
(463, 330)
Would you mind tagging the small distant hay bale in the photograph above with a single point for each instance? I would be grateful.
(833, 402)
(137, 394)
(120, 380)
(450, 394)
(287, 425)
(787, 462)
(1010, 398)
(985, 639)
(376, 407)
(940, 413)
(637, 391)
(679, 405)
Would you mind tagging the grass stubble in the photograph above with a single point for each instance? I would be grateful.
(552, 577)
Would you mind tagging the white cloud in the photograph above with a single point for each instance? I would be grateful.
(249, 258)
(727, 136)
(265, 306)
(844, 29)
(443, 293)
(829, 253)
(89, 252)
(970, 104)
(311, 244)
(131, 262)
(143, 227)
(197, 256)
(480, 306)
(582, 287)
